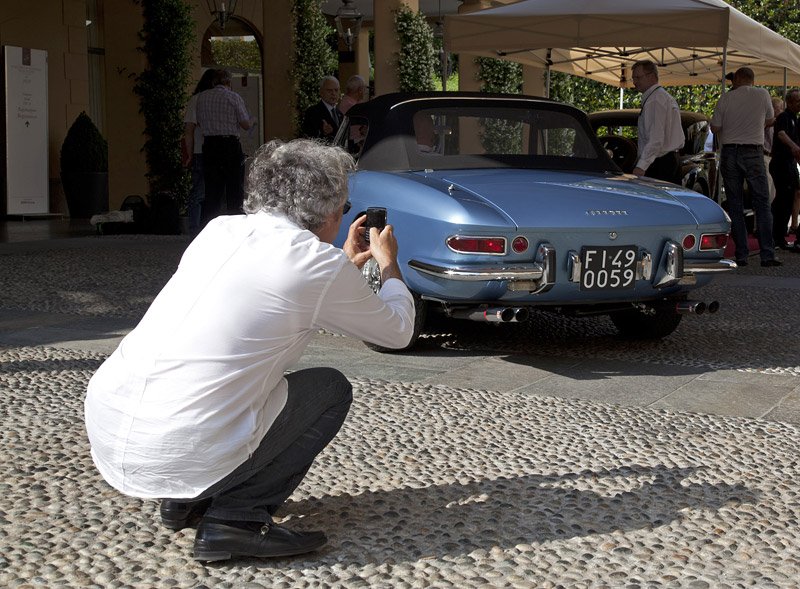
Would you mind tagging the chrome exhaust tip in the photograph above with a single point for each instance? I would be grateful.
(690, 307)
(499, 314)
(713, 307)
(521, 314)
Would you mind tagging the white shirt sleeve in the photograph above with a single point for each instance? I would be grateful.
(655, 117)
(350, 307)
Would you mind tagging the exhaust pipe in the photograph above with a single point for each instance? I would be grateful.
(491, 314)
(689, 307)
(521, 314)
(713, 307)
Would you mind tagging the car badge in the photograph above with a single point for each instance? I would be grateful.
(612, 235)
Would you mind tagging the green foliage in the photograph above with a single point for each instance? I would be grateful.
(314, 58)
(498, 75)
(231, 52)
(166, 35)
(417, 60)
(84, 150)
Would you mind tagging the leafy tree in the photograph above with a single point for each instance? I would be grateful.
(236, 53)
(167, 33)
(314, 57)
(417, 60)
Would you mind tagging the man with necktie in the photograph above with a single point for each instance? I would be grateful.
(660, 131)
(322, 120)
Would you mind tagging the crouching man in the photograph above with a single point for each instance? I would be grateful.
(194, 406)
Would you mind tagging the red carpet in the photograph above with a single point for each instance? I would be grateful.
(752, 245)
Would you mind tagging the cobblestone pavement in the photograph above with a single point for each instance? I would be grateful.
(428, 484)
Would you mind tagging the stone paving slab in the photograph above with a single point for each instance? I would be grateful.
(426, 486)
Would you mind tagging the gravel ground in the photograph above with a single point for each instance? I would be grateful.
(426, 485)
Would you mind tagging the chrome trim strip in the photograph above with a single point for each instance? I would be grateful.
(705, 267)
(528, 272)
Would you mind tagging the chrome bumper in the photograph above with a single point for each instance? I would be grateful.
(540, 276)
(537, 277)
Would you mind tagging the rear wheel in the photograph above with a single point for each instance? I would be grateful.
(372, 274)
(652, 322)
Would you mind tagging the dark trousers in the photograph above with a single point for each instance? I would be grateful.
(666, 167)
(740, 163)
(784, 176)
(316, 407)
(223, 172)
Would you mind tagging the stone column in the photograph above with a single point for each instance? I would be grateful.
(360, 58)
(467, 70)
(278, 50)
(533, 81)
(386, 44)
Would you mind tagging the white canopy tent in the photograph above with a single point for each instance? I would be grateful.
(693, 41)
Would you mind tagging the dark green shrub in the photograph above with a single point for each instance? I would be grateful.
(84, 149)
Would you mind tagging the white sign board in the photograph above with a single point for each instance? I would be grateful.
(27, 179)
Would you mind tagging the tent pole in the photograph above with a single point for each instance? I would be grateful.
(785, 83)
(724, 69)
(549, 62)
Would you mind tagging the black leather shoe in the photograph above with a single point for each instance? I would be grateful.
(219, 541)
(771, 263)
(177, 515)
(741, 262)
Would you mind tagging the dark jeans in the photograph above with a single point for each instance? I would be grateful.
(740, 163)
(784, 175)
(318, 402)
(666, 167)
(223, 172)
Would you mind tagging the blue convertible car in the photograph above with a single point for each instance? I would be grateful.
(502, 203)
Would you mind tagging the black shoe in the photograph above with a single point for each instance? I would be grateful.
(794, 248)
(177, 515)
(742, 262)
(221, 541)
(771, 263)
(784, 245)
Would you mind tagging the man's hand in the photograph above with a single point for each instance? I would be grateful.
(355, 246)
(638, 172)
(383, 246)
(327, 128)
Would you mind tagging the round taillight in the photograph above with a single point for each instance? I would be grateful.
(519, 245)
(689, 241)
(477, 245)
(713, 241)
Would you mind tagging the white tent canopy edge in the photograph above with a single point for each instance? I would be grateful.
(693, 41)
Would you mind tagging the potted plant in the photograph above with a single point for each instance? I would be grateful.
(84, 169)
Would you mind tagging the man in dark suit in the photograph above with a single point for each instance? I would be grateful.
(322, 120)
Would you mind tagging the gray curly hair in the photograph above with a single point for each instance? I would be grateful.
(303, 180)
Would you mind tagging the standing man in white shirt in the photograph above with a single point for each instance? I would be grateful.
(739, 120)
(660, 131)
(194, 405)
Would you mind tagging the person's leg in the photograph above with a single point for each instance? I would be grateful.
(781, 207)
(234, 179)
(317, 404)
(753, 162)
(733, 179)
(214, 178)
(795, 214)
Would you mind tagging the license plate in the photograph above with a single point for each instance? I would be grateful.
(608, 267)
